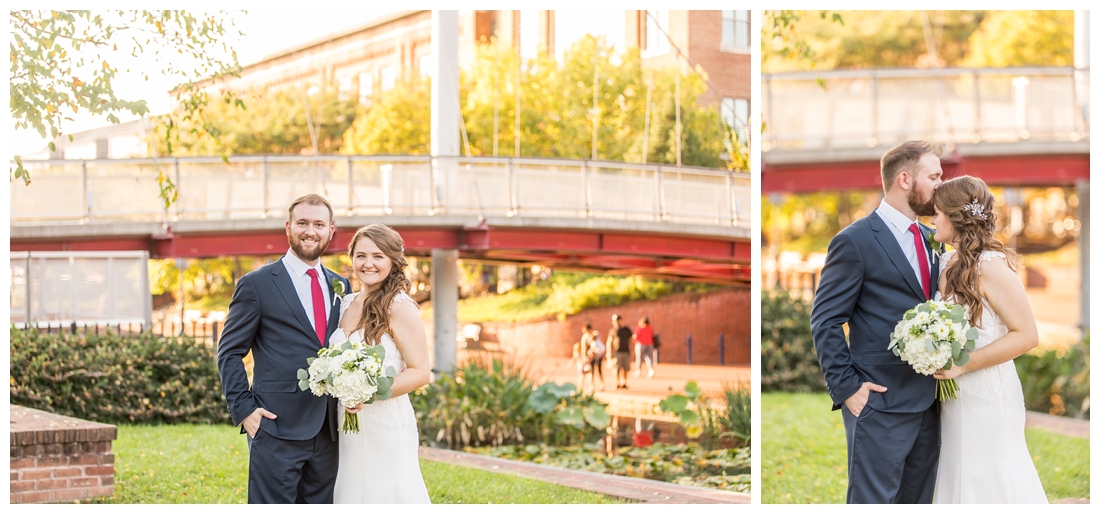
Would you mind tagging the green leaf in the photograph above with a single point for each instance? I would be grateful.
(688, 417)
(303, 374)
(958, 314)
(570, 416)
(972, 334)
(597, 416)
(692, 389)
(963, 359)
(674, 404)
(303, 384)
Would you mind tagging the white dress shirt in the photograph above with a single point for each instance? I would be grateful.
(303, 285)
(899, 225)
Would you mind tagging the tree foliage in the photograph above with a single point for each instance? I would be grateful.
(61, 65)
(802, 40)
(274, 122)
(1023, 38)
(556, 110)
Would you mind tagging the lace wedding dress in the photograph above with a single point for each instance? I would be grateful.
(380, 463)
(983, 454)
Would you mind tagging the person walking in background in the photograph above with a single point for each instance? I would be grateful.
(596, 350)
(581, 358)
(618, 341)
(644, 347)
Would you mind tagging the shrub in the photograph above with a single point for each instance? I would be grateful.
(734, 417)
(788, 361)
(1057, 381)
(490, 403)
(115, 379)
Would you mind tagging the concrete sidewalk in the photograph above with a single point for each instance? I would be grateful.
(637, 489)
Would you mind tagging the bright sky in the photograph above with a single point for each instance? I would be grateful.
(270, 30)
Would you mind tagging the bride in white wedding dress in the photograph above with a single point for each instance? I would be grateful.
(983, 453)
(380, 464)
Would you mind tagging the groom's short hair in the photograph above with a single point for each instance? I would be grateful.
(902, 157)
(309, 199)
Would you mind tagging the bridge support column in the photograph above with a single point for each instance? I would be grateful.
(1083, 241)
(444, 310)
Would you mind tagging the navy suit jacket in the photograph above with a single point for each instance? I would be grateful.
(869, 284)
(266, 317)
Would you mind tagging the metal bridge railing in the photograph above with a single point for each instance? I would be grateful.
(254, 187)
(865, 108)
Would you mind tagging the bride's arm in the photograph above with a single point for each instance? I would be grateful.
(412, 341)
(1005, 293)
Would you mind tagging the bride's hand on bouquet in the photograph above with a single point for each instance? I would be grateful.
(354, 409)
(945, 374)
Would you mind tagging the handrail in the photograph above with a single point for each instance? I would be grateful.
(259, 186)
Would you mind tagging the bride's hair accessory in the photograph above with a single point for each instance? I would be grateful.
(976, 209)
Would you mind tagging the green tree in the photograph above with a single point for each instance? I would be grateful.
(59, 65)
(556, 110)
(1023, 38)
(398, 122)
(803, 40)
(275, 122)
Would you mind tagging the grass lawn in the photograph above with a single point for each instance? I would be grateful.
(209, 464)
(804, 453)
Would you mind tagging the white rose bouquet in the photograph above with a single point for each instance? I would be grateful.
(350, 372)
(935, 335)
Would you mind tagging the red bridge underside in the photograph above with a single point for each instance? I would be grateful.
(663, 256)
(1058, 170)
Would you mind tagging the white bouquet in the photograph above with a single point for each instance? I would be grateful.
(350, 372)
(935, 335)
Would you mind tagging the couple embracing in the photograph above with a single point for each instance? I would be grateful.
(284, 313)
(903, 445)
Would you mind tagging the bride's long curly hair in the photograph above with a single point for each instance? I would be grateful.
(974, 227)
(375, 319)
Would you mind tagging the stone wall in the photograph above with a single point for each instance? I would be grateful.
(59, 459)
(707, 317)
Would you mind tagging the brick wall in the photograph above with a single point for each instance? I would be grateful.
(705, 316)
(59, 459)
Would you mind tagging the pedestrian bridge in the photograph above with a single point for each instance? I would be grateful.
(655, 220)
(1009, 126)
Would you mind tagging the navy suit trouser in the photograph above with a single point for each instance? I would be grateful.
(892, 456)
(282, 471)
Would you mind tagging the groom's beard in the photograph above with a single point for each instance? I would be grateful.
(920, 206)
(296, 245)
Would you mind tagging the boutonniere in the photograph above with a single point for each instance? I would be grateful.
(936, 246)
(337, 290)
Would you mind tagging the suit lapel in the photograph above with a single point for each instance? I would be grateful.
(285, 285)
(890, 245)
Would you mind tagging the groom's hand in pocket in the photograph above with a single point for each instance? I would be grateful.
(252, 422)
(856, 402)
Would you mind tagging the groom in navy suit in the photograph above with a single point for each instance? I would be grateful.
(876, 269)
(284, 312)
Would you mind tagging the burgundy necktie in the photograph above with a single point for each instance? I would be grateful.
(922, 259)
(320, 324)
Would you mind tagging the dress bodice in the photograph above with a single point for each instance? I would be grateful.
(395, 412)
(393, 354)
(995, 383)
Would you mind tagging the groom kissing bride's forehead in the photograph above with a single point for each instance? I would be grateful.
(876, 269)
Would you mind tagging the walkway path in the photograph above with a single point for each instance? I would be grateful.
(637, 489)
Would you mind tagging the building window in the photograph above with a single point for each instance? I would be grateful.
(388, 78)
(735, 29)
(126, 147)
(656, 25)
(366, 88)
(426, 65)
(83, 151)
(345, 89)
(735, 113)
